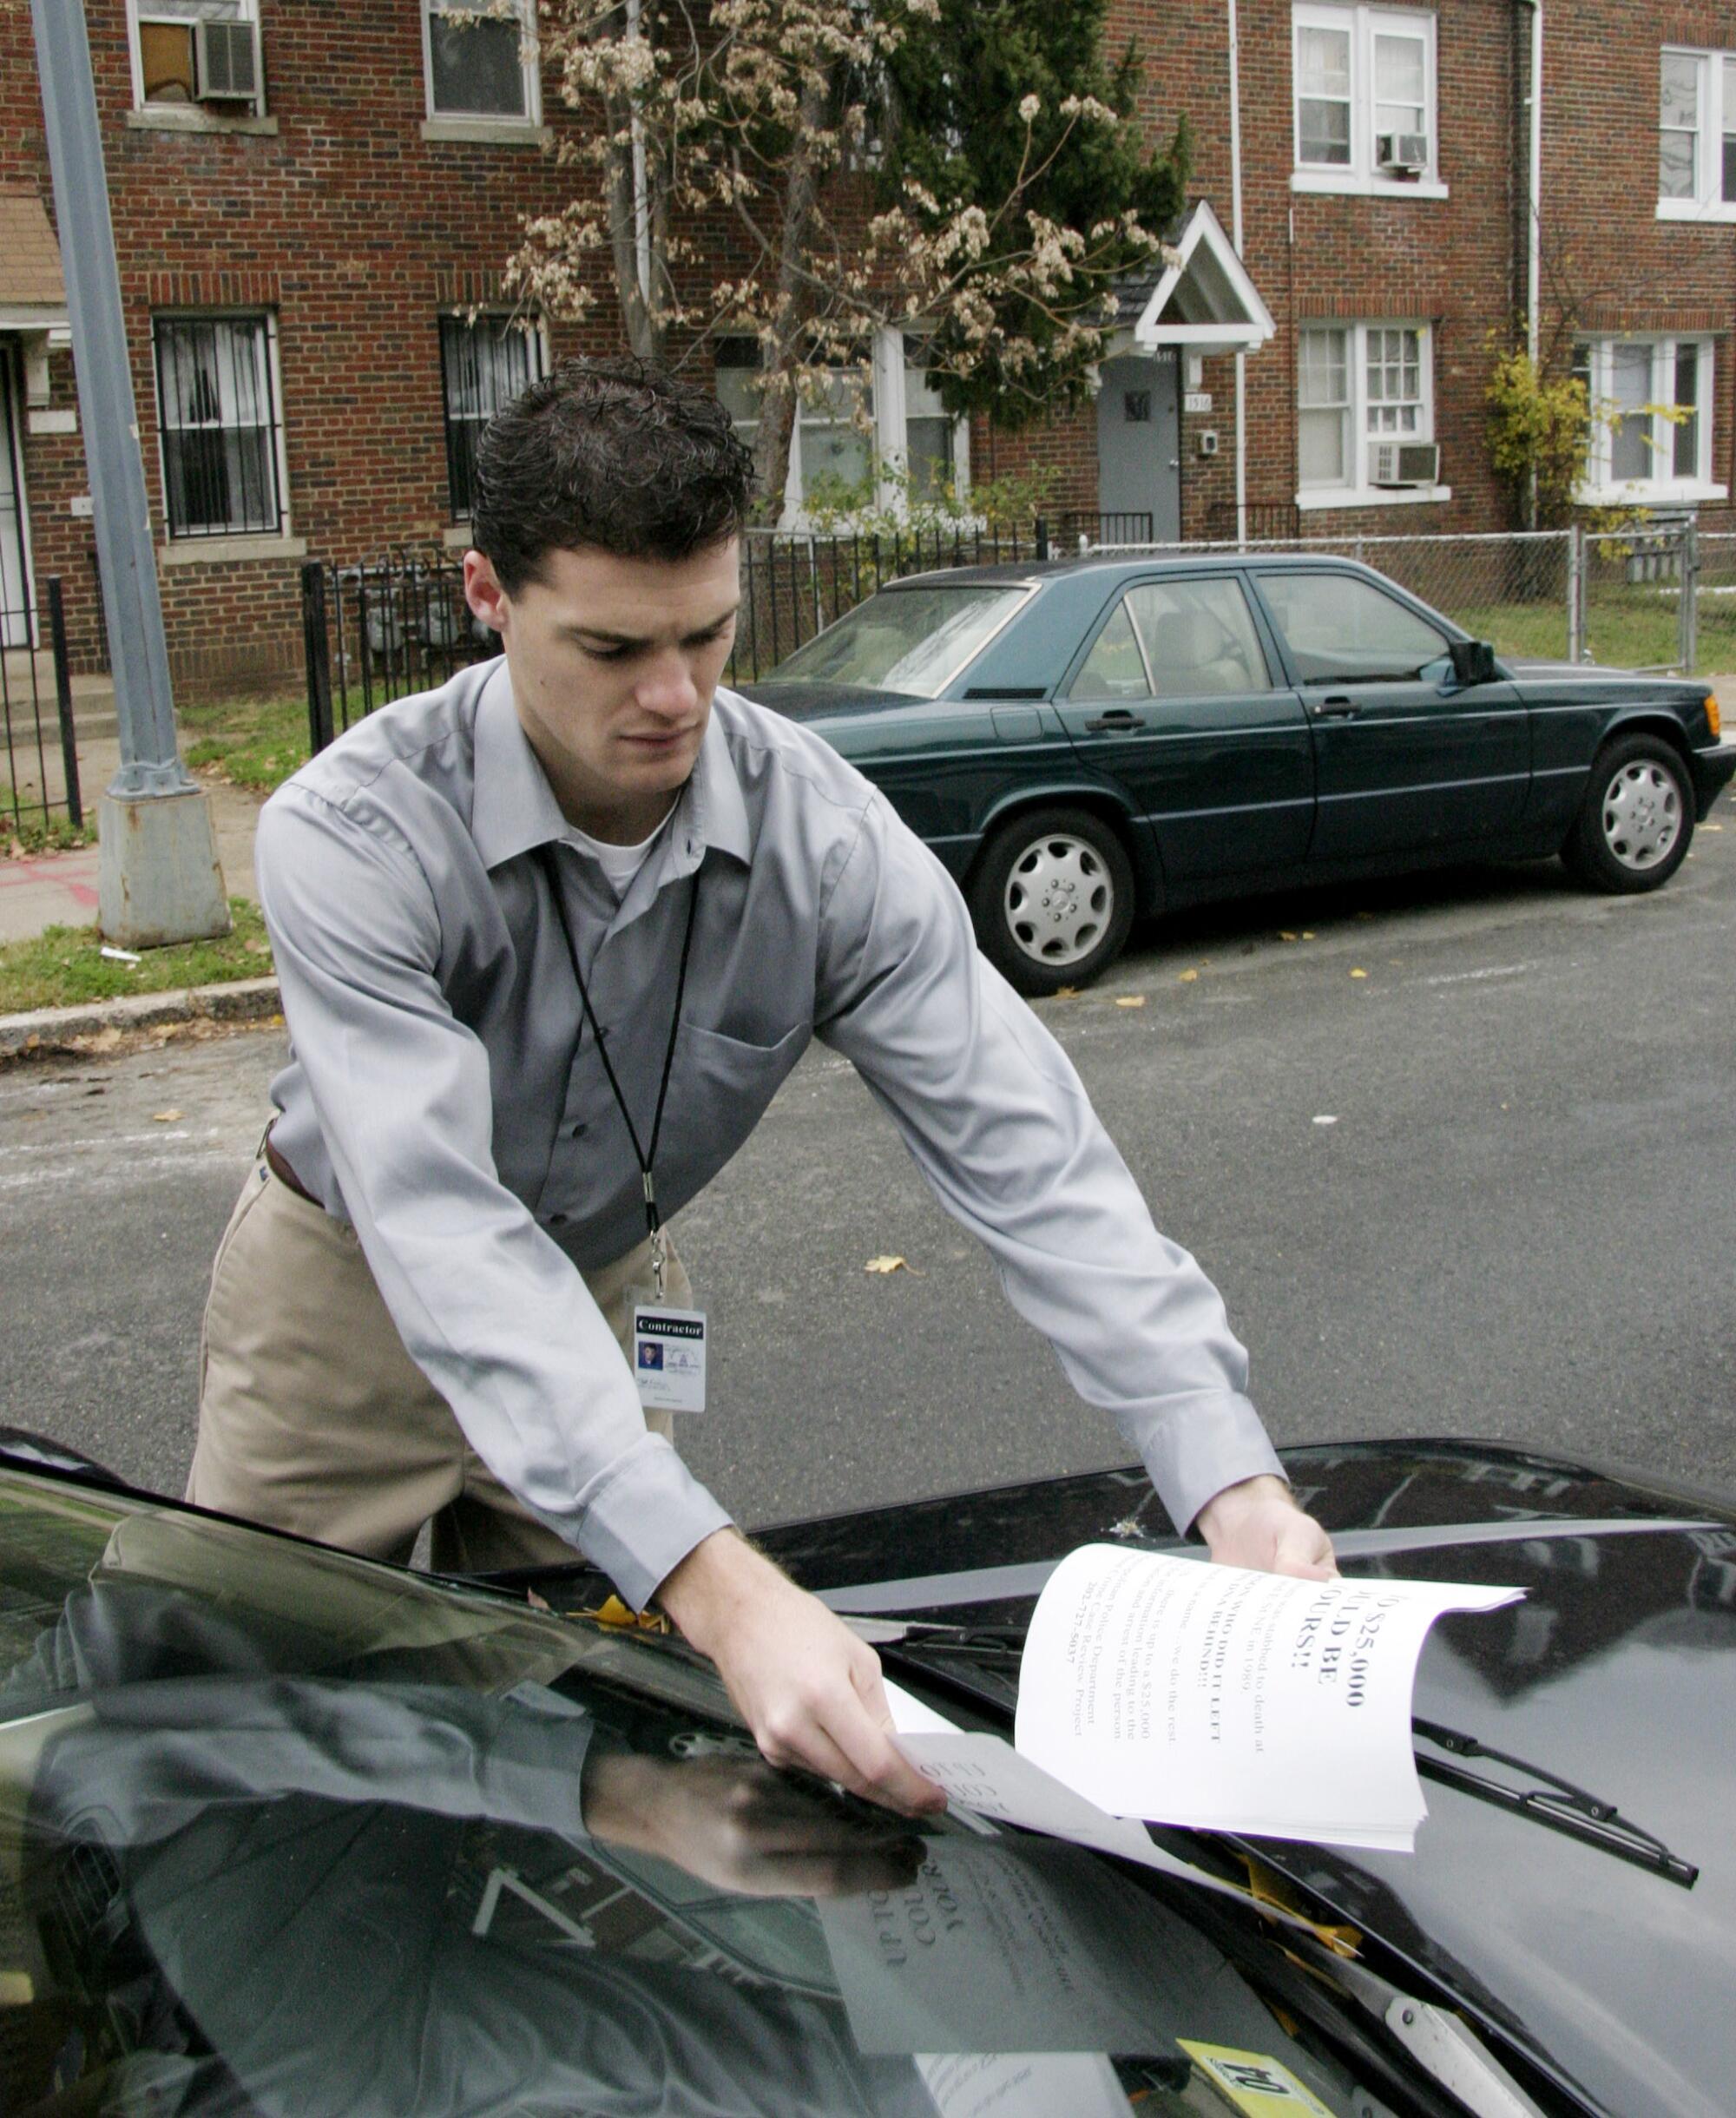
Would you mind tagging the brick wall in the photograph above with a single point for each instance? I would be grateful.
(1610, 263)
(355, 232)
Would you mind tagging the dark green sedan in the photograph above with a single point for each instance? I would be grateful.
(1086, 742)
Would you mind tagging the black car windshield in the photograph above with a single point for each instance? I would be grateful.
(913, 640)
(282, 1831)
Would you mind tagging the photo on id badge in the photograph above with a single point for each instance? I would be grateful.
(669, 1358)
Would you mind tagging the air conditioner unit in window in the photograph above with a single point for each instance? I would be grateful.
(1404, 153)
(225, 62)
(1403, 462)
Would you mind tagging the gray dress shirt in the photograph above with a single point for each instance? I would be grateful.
(441, 1097)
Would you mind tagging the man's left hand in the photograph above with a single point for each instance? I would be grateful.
(1257, 1523)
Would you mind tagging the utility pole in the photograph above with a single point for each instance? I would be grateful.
(158, 878)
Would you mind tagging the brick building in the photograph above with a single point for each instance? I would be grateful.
(311, 200)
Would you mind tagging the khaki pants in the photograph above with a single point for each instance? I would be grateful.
(313, 1418)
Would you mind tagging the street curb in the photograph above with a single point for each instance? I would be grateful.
(46, 1030)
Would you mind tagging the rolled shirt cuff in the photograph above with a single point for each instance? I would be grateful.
(639, 1519)
(1194, 1446)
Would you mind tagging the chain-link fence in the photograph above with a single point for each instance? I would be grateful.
(1712, 606)
(1517, 589)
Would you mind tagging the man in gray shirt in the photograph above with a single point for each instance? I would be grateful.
(550, 938)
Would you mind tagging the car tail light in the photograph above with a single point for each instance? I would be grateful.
(1714, 719)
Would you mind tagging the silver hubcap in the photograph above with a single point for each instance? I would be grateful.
(1641, 814)
(1059, 899)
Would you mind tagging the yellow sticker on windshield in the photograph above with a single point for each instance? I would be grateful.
(1253, 2083)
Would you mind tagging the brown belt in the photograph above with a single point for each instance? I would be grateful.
(281, 1170)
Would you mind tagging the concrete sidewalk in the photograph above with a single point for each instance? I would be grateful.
(44, 890)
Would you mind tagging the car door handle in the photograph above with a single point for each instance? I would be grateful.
(1117, 719)
(1337, 705)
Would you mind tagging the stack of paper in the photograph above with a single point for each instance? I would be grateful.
(1161, 1690)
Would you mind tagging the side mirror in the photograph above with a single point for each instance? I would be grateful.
(1473, 660)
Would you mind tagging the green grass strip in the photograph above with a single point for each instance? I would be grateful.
(64, 967)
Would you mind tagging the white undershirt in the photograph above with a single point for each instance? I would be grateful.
(619, 863)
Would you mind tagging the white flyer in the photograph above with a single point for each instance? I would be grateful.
(1216, 1697)
(1026, 1931)
(987, 1777)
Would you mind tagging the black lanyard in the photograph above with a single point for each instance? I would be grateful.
(644, 1156)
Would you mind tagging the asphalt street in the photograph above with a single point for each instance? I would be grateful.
(1460, 1152)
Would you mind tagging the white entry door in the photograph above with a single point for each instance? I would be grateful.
(15, 583)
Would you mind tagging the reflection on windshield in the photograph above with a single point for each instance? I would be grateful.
(282, 1832)
(913, 640)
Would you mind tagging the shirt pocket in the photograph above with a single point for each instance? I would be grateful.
(722, 1087)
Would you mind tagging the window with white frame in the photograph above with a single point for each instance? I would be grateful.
(1365, 99)
(1650, 429)
(931, 431)
(845, 429)
(196, 54)
(1696, 134)
(481, 61)
(217, 416)
(738, 366)
(1359, 386)
(834, 437)
(485, 361)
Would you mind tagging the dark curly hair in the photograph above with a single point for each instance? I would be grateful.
(610, 454)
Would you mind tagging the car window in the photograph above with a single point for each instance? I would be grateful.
(1343, 630)
(1199, 638)
(1114, 668)
(914, 641)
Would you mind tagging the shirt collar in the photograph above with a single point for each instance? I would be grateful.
(513, 808)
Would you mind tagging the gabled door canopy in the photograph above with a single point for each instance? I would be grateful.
(1205, 303)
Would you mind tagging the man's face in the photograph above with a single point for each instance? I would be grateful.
(613, 663)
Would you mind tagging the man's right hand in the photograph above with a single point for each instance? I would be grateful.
(807, 1687)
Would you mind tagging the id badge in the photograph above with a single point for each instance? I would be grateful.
(669, 1358)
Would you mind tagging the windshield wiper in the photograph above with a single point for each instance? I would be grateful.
(1558, 1803)
(979, 1664)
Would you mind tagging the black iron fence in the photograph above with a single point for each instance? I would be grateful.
(1256, 520)
(399, 623)
(35, 709)
(380, 629)
(795, 587)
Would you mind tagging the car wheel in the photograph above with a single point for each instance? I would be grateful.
(1053, 899)
(1633, 826)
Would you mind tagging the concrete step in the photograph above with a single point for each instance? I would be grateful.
(27, 682)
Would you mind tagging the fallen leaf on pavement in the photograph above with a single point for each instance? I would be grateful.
(1284, 937)
(1130, 1000)
(1306, 936)
(886, 1265)
(1187, 977)
(1358, 974)
(165, 1117)
(1065, 992)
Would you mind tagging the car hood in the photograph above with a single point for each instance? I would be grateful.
(813, 703)
(1617, 1671)
(1590, 680)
